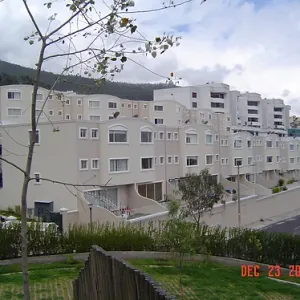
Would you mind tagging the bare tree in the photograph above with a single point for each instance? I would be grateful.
(92, 42)
(199, 193)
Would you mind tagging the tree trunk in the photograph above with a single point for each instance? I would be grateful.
(27, 178)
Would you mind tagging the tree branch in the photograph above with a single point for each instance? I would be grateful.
(33, 20)
(12, 164)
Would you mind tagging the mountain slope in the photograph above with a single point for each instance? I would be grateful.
(15, 74)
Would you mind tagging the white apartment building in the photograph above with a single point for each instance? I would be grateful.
(132, 153)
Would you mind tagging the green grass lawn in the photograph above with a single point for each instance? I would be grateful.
(211, 281)
(51, 281)
(206, 280)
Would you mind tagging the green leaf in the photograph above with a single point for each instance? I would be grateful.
(154, 54)
(157, 39)
(113, 59)
(133, 29)
(31, 42)
(123, 59)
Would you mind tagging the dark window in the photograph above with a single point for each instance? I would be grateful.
(194, 95)
(194, 104)
(217, 104)
(217, 95)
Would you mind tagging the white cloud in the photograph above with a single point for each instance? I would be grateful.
(252, 45)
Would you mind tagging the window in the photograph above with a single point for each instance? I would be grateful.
(226, 142)
(146, 136)
(14, 112)
(222, 161)
(175, 136)
(112, 105)
(83, 164)
(208, 138)
(94, 118)
(249, 144)
(253, 143)
(191, 138)
(159, 121)
(278, 159)
(83, 133)
(227, 128)
(228, 119)
(129, 105)
(147, 163)
(249, 160)
(292, 147)
(38, 112)
(216, 137)
(161, 135)
(110, 117)
(50, 97)
(145, 106)
(192, 160)
(79, 117)
(257, 158)
(59, 112)
(209, 159)
(39, 97)
(94, 133)
(194, 95)
(118, 165)
(95, 163)
(14, 95)
(222, 142)
(158, 108)
(298, 159)
(238, 161)
(51, 112)
(217, 95)
(237, 144)
(122, 105)
(37, 136)
(169, 159)
(155, 135)
(161, 160)
(194, 105)
(269, 159)
(94, 104)
(217, 157)
(67, 117)
(177, 109)
(37, 178)
(169, 136)
(209, 117)
(176, 159)
(67, 102)
(155, 160)
(269, 144)
(118, 136)
(135, 106)
(292, 160)
(79, 102)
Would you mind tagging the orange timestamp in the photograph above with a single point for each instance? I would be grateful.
(273, 271)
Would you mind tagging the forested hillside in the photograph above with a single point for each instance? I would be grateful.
(15, 74)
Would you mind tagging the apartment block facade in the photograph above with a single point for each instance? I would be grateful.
(116, 153)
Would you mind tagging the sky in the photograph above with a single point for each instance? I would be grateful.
(252, 45)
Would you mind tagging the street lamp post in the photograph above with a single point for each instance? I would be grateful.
(238, 194)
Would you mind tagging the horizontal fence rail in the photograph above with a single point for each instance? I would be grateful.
(108, 278)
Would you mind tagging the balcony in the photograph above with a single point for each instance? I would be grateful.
(279, 126)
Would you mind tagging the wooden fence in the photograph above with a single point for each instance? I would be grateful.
(107, 278)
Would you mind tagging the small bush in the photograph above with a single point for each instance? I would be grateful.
(290, 181)
(284, 188)
(280, 182)
(17, 210)
(276, 189)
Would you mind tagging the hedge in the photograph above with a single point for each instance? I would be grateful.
(247, 244)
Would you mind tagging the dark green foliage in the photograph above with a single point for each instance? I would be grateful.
(259, 246)
(15, 74)
(281, 182)
(276, 189)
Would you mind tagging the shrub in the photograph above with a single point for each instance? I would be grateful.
(276, 189)
(284, 188)
(259, 246)
(290, 181)
(281, 182)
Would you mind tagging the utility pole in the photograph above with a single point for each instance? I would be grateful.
(166, 160)
(238, 195)
(91, 217)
